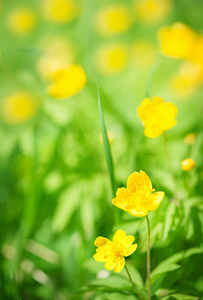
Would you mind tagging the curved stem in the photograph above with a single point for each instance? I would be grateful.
(148, 259)
(140, 296)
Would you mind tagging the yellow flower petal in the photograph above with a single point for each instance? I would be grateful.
(135, 213)
(110, 264)
(141, 109)
(117, 203)
(153, 132)
(137, 180)
(101, 257)
(154, 200)
(101, 241)
(120, 264)
(119, 236)
(130, 250)
(127, 241)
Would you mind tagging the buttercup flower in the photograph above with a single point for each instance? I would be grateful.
(157, 116)
(138, 199)
(112, 20)
(21, 21)
(111, 59)
(177, 41)
(18, 107)
(59, 11)
(67, 82)
(188, 164)
(113, 252)
(151, 11)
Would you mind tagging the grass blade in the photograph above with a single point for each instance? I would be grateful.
(107, 150)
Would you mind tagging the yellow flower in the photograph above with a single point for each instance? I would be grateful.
(111, 59)
(18, 107)
(113, 252)
(152, 11)
(188, 164)
(187, 80)
(138, 199)
(59, 11)
(157, 116)
(112, 20)
(67, 82)
(21, 21)
(177, 41)
(190, 138)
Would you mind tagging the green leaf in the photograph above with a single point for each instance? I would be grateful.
(106, 145)
(136, 276)
(169, 219)
(114, 282)
(67, 204)
(163, 268)
(113, 296)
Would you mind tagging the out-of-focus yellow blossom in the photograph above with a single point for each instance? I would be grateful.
(60, 11)
(188, 164)
(112, 20)
(138, 199)
(157, 116)
(197, 54)
(186, 81)
(152, 11)
(67, 82)
(177, 41)
(21, 21)
(113, 252)
(58, 54)
(111, 59)
(18, 107)
(109, 135)
(143, 54)
(190, 139)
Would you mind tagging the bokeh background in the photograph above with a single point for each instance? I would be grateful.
(55, 193)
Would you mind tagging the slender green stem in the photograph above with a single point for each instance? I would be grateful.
(140, 296)
(170, 168)
(148, 259)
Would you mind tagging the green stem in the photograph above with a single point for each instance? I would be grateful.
(140, 296)
(149, 79)
(170, 168)
(148, 259)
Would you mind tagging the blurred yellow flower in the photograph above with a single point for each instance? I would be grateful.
(177, 41)
(113, 252)
(143, 54)
(190, 138)
(109, 135)
(197, 54)
(188, 164)
(111, 59)
(112, 20)
(186, 81)
(60, 11)
(57, 54)
(157, 116)
(138, 199)
(21, 21)
(67, 82)
(18, 107)
(152, 11)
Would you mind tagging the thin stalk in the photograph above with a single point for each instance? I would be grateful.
(170, 168)
(148, 259)
(140, 296)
